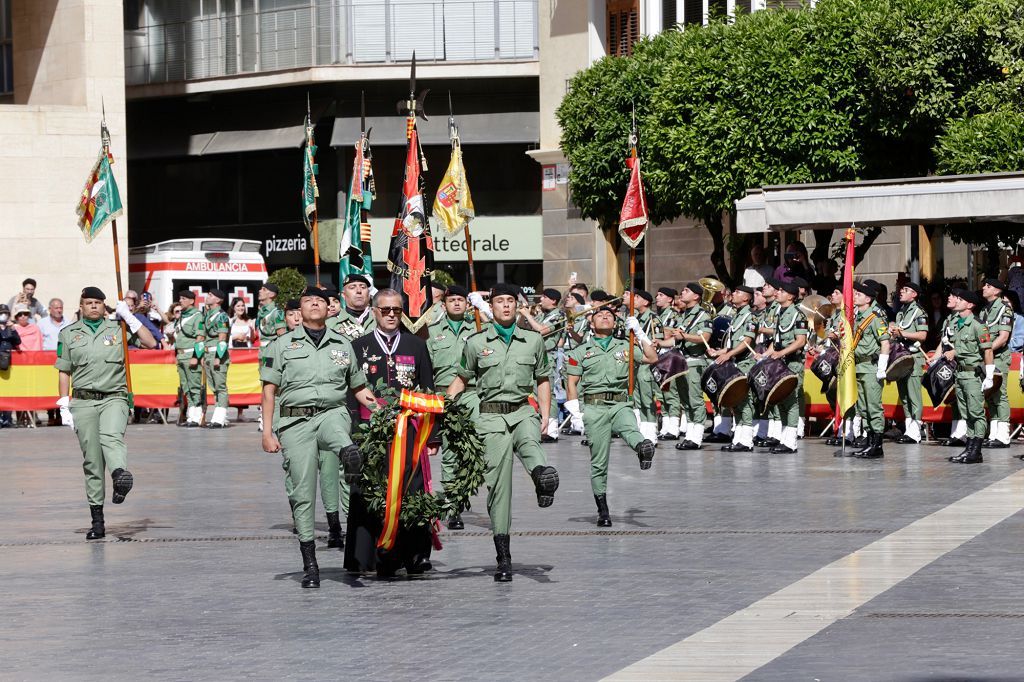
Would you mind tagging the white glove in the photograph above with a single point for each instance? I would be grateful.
(883, 364)
(990, 371)
(65, 412)
(478, 302)
(633, 325)
(124, 313)
(573, 408)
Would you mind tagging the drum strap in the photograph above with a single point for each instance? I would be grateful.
(862, 328)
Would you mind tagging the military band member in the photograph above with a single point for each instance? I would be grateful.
(445, 341)
(910, 327)
(189, 346)
(671, 402)
(769, 428)
(972, 352)
(603, 365)
(507, 362)
(356, 317)
(871, 354)
(90, 355)
(788, 344)
(309, 372)
(998, 317)
(693, 333)
(739, 348)
(215, 356)
(644, 388)
(550, 321)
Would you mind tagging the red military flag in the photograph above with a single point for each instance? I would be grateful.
(633, 217)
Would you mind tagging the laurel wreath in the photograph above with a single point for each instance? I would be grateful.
(420, 508)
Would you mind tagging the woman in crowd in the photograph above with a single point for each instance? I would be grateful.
(170, 317)
(242, 330)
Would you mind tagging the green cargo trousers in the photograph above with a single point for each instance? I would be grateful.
(601, 420)
(500, 442)
(671, 401)
(869, 397)
(643, 394)
(789, 408)
(998, 403)
(100, 426)
(909, 389)
(191, 380)
(691, 394)
(217, 379)
(310, 447)
(970, 402)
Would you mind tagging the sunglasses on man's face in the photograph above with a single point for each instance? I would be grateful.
(390, 310)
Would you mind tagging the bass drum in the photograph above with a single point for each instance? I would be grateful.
(719, 330)
(724, 384)
(901, 362)
(826, 366)
(772, 382)
(940, 381)
(670, 366)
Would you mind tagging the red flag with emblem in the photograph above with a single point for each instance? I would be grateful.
(411, 255)
(633, 217)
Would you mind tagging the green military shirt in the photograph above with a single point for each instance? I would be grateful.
(871, 333)
(553, 320)
(791, 324)
(308, 375)
(911, 318)
(505, 372)
(668, 317)
(582, 328)
(650, 323)
(351, 326)
(695, 321)
(998, 318)
(603, 370)
(445, 342)
(270, 320)
(771, 315)
(94, 359)
(970, 339)
(215, 323)
(742, 328)
(187, 330)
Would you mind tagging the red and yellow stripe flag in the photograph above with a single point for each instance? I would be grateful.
(846, 377)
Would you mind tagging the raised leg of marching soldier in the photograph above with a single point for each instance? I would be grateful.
(909, 389)
(500, 441)
(100, 426)
(602, 420)
(671, 406)
(217, 379)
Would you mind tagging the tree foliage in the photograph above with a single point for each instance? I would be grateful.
(289, 281)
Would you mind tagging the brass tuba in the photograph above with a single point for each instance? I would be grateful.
(818, 311)
(711, 287)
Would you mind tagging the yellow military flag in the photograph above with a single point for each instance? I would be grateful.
(453, 205)
(846, 375)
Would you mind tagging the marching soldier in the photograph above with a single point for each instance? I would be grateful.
(603, 364)
(90, 355)
(788, 344)
(215, 357)
(445, 342)
(871, 354)
(269, 317)
(356, 317)
(309, 373)
(551, 320)
(769, 430)
(998, 317)
(671, 402)
(506, 362)
(643, 394)
(739, 341)
(958, 428)
(972, 350)
(693, 333)
(911, 328)
(189, 346)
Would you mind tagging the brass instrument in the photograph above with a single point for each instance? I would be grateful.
(711, 287)
(572, 315)
(818, 310)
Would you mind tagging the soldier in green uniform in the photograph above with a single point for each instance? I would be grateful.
(972, 352)
(739, 348)
(507, 362)
(671, 402)
(603, 364)
(998, 317)
(769, 427)
(572, 336)
(445, 341)
(693, 332)
(308, 374)
(550, 321)
(90, 355)
(215, 357)
(644, 389)
(189, 346)
(871, 354)
(356, 317)
(910, 327)
(788, 343)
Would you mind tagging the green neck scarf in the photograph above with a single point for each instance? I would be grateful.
(505, 332)
(603, 341)
(93, 324)
(456, 325)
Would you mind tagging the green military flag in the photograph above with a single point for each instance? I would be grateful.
(310, 191)
(355, 238)
(100, 202)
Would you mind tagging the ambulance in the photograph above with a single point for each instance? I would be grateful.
(234, 266)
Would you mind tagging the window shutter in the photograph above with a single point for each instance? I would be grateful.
(623, 26)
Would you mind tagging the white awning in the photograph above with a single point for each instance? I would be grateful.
(912, 201)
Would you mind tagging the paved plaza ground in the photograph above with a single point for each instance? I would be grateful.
(719, 566)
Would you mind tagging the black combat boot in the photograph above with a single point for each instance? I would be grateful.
(966, 452)
(545, 481)
(334, 537)
(503, 574)
(874, 449)
(603, 519)
(869, 442)
(455, 522)
(972, 455)
(98, 530)
(123, 481)
(645, 453)
(351, 463)
(311, 572)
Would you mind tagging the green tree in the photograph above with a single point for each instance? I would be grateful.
(290, 282)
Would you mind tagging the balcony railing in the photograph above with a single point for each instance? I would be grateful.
(325, 32)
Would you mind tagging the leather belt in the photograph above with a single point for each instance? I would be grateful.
(598, 398)
(86, 394)
(964, 367)
(308, 411)
(865, 358)
(500, 407)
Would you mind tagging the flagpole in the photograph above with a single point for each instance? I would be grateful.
(472, 274)
(457, 151)
(632, 278)
(105, 139)
(316, 251)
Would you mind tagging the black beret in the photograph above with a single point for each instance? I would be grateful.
(865, 288)
(599, 295)
(993, 282)
(553, 294)
(773, 282)
(646, 295)
(332, 292)
(456, 290)
(790, 288)
(695, 288)
(744, 289)
(314, 291)
(800, 282)
(967, 295)
(97, 293)
(603, 309)
(579, 298)
(218, 293)
(914, 286)
(270, 286)
(355, 277)
(186, 293)
(292, 304)
(668, 291)
(505, 289)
